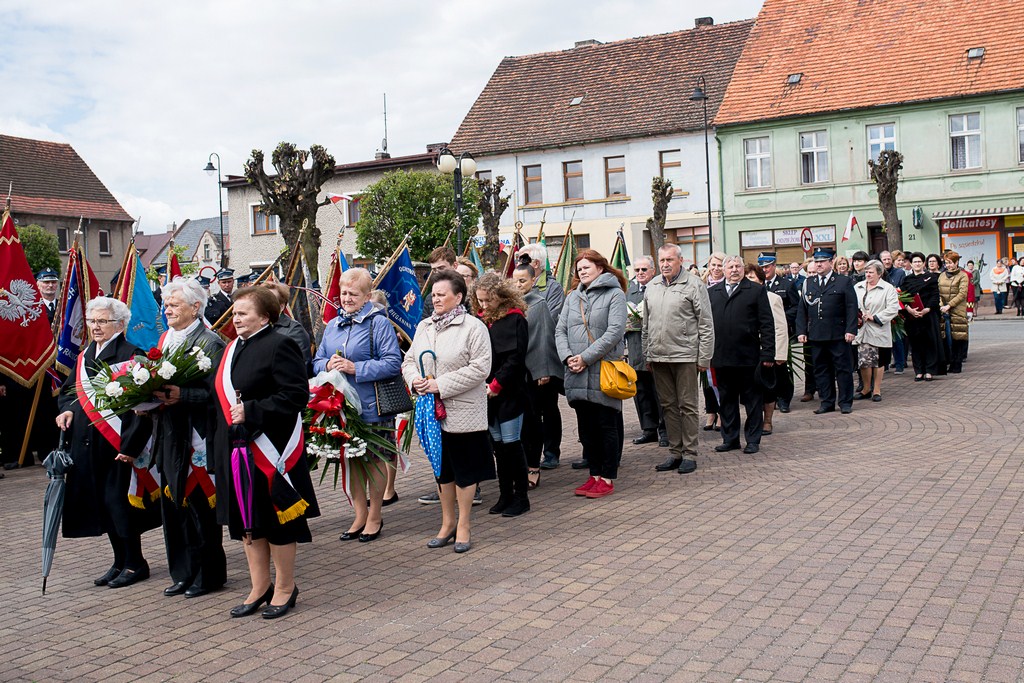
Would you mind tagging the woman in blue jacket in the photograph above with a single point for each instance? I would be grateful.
(361, 343)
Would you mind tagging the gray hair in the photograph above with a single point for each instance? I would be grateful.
(644, 258)
(669, 246)
(730, 258)
(189, 290)
(535, 251)
(119, 311)
(876, 266)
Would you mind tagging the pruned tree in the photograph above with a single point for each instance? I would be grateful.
(418, 203)
(491, 206)
(661, 195)
(291, 193)
(886, 175)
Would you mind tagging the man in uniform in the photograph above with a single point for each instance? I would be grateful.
(47, 281)
(219, 303)
(826, 320)
(777, 284)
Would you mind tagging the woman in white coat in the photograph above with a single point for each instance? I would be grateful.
(879, 304)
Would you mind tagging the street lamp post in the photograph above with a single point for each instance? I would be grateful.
(210, 168)
(464, 165)
(700, 95)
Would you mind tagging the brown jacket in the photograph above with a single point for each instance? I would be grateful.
(953, 293)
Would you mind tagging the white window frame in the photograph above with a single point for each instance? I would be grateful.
(207, 252)
(967, 135)
(881, 141)
(1020, 135)
(816, 151)
(672, 170)
(99, 242)
(762, 158)
(272, 221)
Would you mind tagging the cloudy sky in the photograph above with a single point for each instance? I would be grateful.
(146, 91)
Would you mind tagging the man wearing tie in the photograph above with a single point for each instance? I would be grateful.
(744, 337)
(47, 281)
(646, 399)
(826, 320)
(774, 282)
(219, 303)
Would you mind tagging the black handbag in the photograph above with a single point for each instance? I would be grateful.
(391, 394)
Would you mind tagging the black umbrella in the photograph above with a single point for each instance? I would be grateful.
(57, 463)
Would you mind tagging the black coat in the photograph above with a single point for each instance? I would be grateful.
(790, 295)
(216, 306)
(744, 325)
(96, 497)
(829, 313)
(510, 339)
(926, 286)
(270, 375)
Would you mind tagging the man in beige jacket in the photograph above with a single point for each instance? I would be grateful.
(678, 338)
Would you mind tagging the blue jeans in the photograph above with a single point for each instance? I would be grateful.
(507, 432)
(1000, 298)
(899, 352)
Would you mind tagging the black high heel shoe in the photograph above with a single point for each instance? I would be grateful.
(352, 535)
(249, 608)
(366, 538)
(275, 611)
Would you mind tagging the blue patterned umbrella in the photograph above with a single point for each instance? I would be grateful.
(428, 428)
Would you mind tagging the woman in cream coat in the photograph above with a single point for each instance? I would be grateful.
(879, 304)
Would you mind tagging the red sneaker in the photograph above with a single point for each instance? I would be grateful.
(601, 489)
(582, 491)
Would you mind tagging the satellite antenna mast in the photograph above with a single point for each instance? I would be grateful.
(384, 142)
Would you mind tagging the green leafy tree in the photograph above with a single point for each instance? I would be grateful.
(291, 193)
(40, 247)
(492, 205)
(420, 203)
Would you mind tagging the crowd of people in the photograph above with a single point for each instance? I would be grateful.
(496, 353)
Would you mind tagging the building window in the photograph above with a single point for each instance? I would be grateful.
(757, 155)
(554, 245)
(1020, 135)
(532, 184)
(614, 176)
(206, 252)
(263, 223)
(483, 175)
(63, 241)
(104, 240)
(572, 174)
(671, 163)
(965, 141)
(881, 137)
(813, 157)
(353, 211)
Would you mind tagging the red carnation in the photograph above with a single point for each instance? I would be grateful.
(155, 354)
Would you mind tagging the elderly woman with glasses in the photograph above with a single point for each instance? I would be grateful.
(103, 448)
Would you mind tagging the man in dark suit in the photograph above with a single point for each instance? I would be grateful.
(744, 337)
(826, 320)
(775, 282)
(219, 303)
(648, 409)
(47, 282)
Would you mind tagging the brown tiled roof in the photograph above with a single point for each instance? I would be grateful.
(50, 179)
(630, 88)
(858, 54)
(150, 246)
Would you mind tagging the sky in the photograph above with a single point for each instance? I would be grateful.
(145, 92)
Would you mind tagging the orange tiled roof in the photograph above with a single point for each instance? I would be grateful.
(855, 54)
(631, 88)
(50, 179)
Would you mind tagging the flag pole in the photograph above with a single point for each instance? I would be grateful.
(391, 261)
(223, 319)
(31, 419)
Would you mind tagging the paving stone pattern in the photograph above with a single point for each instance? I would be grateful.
(883, 545)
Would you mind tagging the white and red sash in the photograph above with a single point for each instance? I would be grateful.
(268, 458)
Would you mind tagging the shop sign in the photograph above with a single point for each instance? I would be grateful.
(787, 237)
(984, 224)
(824, 235)
(758, 238)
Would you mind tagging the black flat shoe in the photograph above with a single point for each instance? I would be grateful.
(646, 437)
(196, 591)
(581, 464)
(352, 535)
(366, 538)
(111, 574)
(824, 409)
(248, 608)
(669, 464)
(687, 466)
(275, 611)
(441, 542)
(390, 501)
(876, 398)
(918, 378)
(725, 447)
(177, 589)
(751, 448)
(861, 397)
(129, 576)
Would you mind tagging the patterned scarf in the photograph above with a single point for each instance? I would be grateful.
(443, 320)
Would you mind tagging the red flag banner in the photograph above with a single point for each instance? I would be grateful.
(27, 346)
(173, 268)
(332, 291)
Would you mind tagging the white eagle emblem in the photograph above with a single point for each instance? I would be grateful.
(20, 302)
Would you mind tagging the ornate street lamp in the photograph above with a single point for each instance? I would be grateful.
(699, 95)
(210, 168)
(464, 165)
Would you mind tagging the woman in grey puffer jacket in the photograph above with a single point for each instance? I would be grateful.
(592, 328)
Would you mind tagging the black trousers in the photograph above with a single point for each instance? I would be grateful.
(542, 422)
(194, 543)
(831, 367)
(648, 410)
(601, 433)
(736, 385)
(810, 383)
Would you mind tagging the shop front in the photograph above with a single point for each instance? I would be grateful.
(984, 238)
(787, 243)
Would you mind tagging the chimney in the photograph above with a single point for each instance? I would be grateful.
(172, 227)
(586, 43)
(381, 155)
(435, 147)
(704, 21)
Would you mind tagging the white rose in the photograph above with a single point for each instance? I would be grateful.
(140, 375)
(113, 390)
(166, 370)
(205, 363)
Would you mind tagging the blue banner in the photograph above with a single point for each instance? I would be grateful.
(71, 337)
(145, 327)
(405, 307)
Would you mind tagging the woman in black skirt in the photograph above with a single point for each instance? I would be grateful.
(922, 323)
(261, 391)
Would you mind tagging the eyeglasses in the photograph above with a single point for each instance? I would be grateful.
(98, 321)
(643, 269)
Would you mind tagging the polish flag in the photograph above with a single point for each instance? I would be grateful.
(850, 224)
